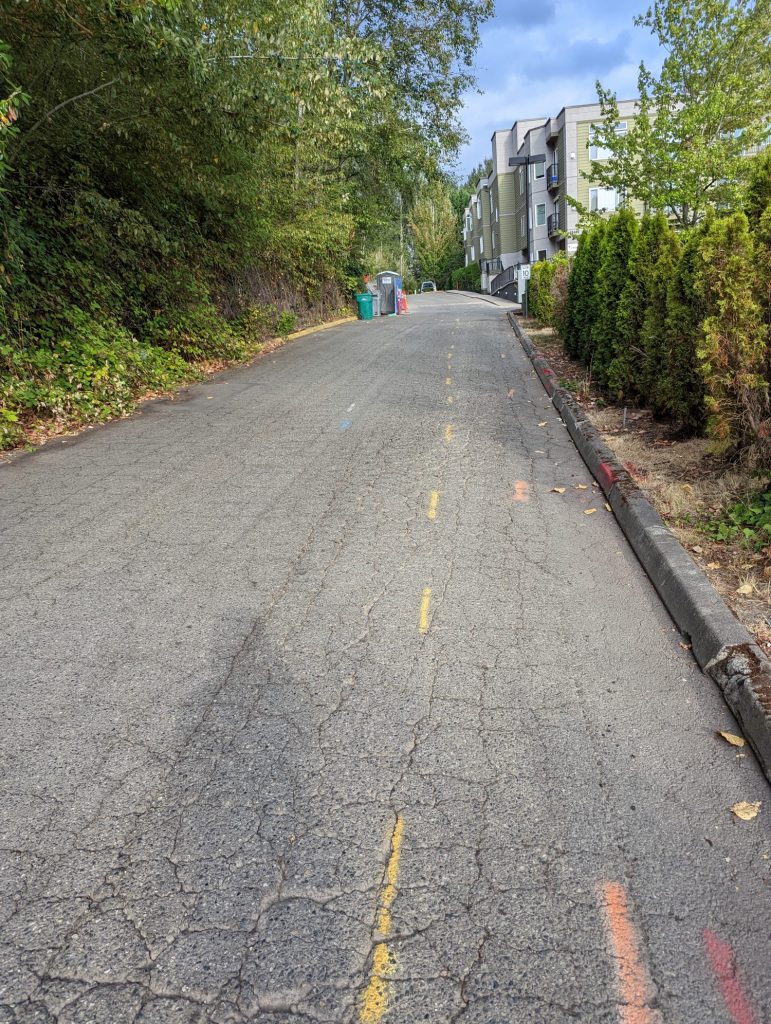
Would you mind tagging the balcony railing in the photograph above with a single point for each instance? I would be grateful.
(553, 223)
(552, 176)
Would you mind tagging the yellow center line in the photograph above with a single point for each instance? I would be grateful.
(449, 355)
(448, 432)
(448, 380)
(450, 399)
(425, 604)
(374, 1000)
(433, 505)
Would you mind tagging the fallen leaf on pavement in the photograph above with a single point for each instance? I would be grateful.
(745, 589)
(559, 490)
(589, 511)
(685, 647)
(607, 507)
(732, 738)
(746, 810)
(543, 424)
(582, 487)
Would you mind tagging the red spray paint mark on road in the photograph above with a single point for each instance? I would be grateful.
(723, 962)
(510, 393)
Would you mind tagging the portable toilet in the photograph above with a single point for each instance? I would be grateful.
(389, 285)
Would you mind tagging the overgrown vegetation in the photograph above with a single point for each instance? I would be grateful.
(181, 179)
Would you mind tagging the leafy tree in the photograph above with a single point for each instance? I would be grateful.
(686, 149)
(433, 227)
(482, 170)
(732, 345)
(610, 283)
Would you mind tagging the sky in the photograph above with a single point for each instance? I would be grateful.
(540, 56)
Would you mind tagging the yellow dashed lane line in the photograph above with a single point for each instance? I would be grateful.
(448, 432)
(425, 605)
(374, 1001)
(433, 505)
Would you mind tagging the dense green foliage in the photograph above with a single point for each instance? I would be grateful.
(176, 174)
(732, 346)
(678, 321)
(434, 232)
(468, 278)
(543, 292)
(582, 307)
(609, 287)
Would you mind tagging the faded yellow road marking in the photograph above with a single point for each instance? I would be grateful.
(425, 604)
(374, 1001)
(433, 505)
(450, 399)
(449, 355)
(448, 432)
(448, 380)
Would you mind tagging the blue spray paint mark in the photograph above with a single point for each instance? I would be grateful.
(345, 424)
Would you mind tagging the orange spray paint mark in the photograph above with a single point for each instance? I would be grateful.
(634, 984)
(521, 490)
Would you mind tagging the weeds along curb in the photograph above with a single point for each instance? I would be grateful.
(721, 645)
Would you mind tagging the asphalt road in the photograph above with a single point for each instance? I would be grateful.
(319, 704)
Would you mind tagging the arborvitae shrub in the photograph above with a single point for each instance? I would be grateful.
(653, 331)
(610, 283)
(559, 294)
(678, 391)
(626, 374)
(539, 289)
(732, 343)
(582, 309)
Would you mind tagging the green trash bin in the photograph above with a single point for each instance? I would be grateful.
(364, 302)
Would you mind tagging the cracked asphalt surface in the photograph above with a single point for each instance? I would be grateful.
(219, 710)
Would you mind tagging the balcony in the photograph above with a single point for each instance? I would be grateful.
(552, 176)
(553, 223)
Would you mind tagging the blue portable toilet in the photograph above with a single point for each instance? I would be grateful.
(389, 285)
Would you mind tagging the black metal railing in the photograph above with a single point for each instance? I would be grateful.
(552, 176)
(508, 276)
(553, 223)
(493, 266)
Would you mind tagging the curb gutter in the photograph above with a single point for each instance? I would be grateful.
(723, 648)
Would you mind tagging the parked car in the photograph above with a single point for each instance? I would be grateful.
(428, 286)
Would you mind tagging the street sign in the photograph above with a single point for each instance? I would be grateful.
(524, 272)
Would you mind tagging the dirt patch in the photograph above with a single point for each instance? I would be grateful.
(687, 485)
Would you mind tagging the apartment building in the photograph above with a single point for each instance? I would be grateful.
(477, 236)
(530, 218)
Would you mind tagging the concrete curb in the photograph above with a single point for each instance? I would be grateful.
(722, 646)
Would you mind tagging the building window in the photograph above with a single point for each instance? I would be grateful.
(541, 255)
(493, 241)
(540, 214)
(481, 246)
(600, 152)
(521, 180)
(603, 199)
(522, 225)
(540, 170)
(473, 255)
